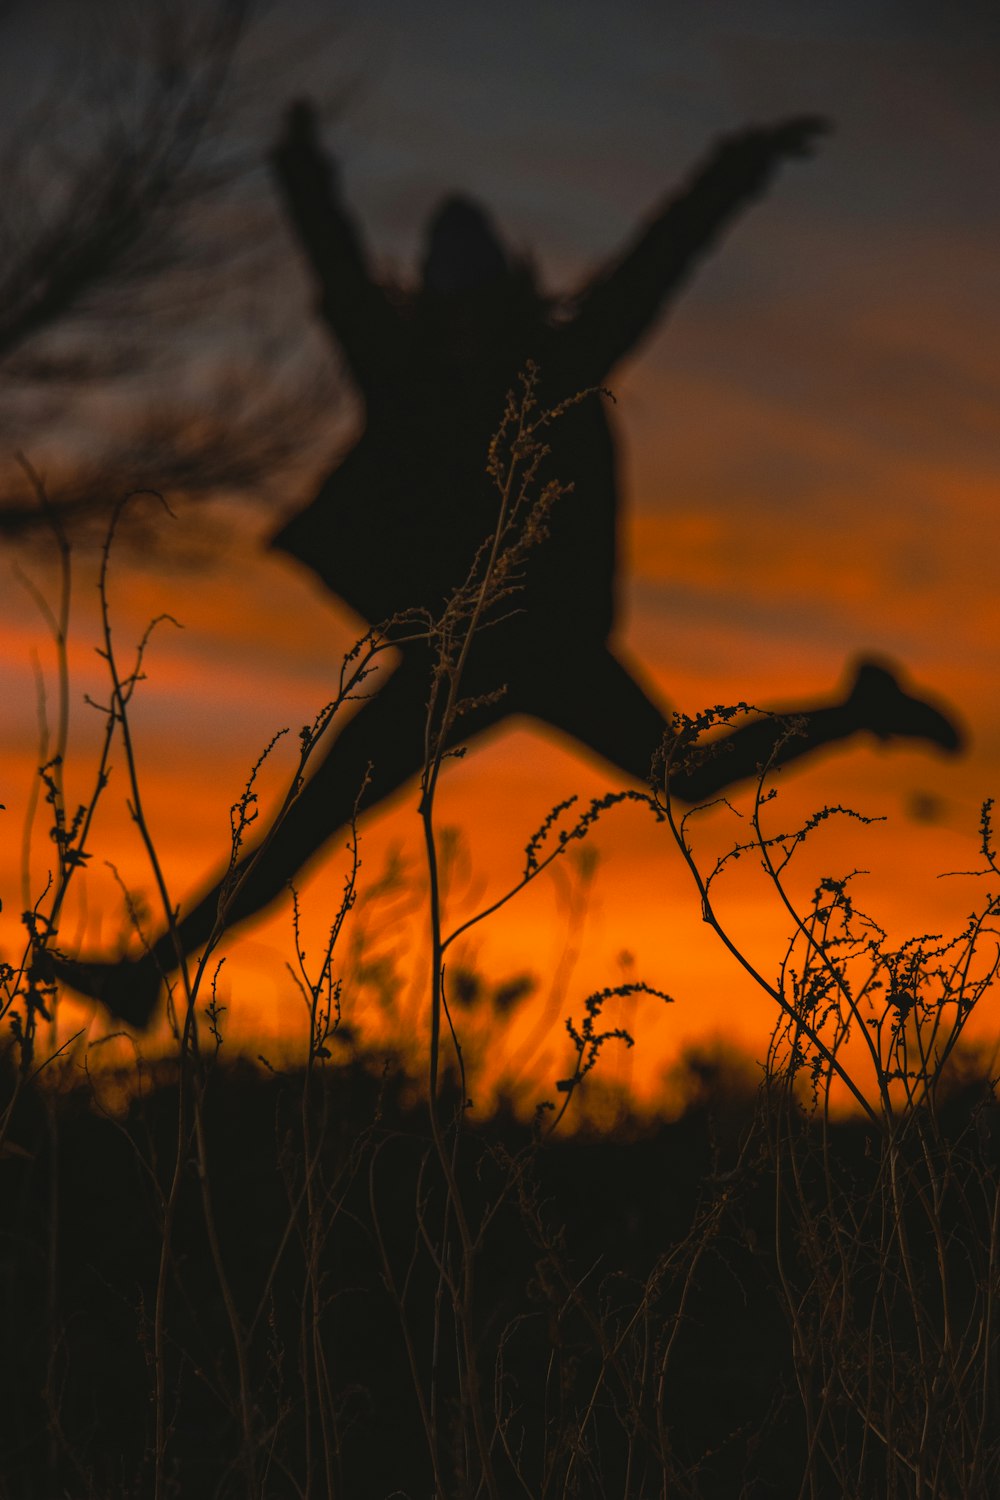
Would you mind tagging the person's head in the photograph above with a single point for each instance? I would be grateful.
(463, 252)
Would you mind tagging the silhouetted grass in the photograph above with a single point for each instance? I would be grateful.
(640, 1329)
(329, 1278)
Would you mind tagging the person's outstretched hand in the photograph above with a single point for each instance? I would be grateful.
(302, 124)
(747, 160)
(798, 135)
(299, 157)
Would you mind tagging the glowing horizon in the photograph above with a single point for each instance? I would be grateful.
(810, 464)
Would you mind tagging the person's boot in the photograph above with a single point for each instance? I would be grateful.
(889, 712)
(128, 989)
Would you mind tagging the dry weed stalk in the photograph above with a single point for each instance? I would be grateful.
(458, 1410)
(888, 1269)
(885, 1262)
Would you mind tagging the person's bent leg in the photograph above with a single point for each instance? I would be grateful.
(596, 701)
(600, 704)
(875, 703)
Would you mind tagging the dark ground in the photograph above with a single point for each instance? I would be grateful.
(591, 1230)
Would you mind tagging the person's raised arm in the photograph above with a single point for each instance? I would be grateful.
(622, 302)
(351, 301)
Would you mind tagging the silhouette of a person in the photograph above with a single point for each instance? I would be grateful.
(397, 523)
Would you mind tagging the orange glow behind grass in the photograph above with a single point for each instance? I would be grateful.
(259, 651)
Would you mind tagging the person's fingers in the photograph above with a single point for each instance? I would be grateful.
(300, 120)
(799, 135)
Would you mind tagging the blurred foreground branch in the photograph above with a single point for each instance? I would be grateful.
(139, 343)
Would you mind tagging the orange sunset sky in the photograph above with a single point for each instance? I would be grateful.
(810, 456)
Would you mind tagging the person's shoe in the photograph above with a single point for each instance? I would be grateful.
(127, 989)
(883, 707)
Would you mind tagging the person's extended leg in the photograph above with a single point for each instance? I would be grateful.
(603, 707)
